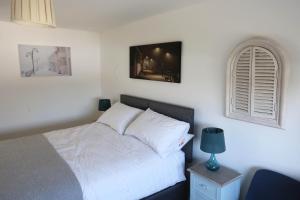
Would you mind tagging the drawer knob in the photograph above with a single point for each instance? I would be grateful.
(203, 186)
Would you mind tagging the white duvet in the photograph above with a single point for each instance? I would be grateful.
(110, 166)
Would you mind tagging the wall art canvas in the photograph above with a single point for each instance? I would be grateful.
(45, 61)
(158, 62)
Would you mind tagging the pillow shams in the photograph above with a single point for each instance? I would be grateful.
(119, 116)
(160, 132)
(183, 141)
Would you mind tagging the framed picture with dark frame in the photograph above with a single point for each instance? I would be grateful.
(157, 62)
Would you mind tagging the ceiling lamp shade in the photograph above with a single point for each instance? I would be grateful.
(38, 12)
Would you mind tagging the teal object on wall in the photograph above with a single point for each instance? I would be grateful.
(212, 141)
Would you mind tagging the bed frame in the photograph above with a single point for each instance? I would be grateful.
(179, 191)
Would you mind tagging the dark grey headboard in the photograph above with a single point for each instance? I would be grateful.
(177, 112)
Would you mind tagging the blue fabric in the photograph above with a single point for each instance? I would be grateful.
(269, 185)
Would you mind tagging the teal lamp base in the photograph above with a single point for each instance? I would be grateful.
(212, 164)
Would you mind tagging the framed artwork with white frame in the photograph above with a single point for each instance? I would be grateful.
(44, 60)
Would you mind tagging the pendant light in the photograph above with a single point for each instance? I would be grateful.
(38, 12)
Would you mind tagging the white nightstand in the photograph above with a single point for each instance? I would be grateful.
(223, 184)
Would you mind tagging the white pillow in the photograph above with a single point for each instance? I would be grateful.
(184, 140)
(160, 132)
(119, 116)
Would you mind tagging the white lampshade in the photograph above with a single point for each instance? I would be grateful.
(38, 12)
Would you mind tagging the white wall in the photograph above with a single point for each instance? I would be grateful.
(32, 105)
(209, 31)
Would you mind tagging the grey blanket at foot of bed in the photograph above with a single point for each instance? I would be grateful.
(31, 169)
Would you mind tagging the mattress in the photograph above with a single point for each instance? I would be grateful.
(111, 166)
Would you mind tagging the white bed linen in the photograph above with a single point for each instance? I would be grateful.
(110, 166)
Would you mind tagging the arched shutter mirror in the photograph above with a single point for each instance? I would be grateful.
(254, 83)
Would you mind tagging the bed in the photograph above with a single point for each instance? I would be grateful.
(93, 162)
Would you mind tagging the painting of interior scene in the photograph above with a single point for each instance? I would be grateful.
(158, 62)
(45, 61)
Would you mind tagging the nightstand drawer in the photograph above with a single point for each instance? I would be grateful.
(204, 187)
(196, 195)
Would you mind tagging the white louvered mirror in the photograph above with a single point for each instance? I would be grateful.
(254, 83)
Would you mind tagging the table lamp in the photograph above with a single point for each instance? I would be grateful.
(104, 104)
(212, 141)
